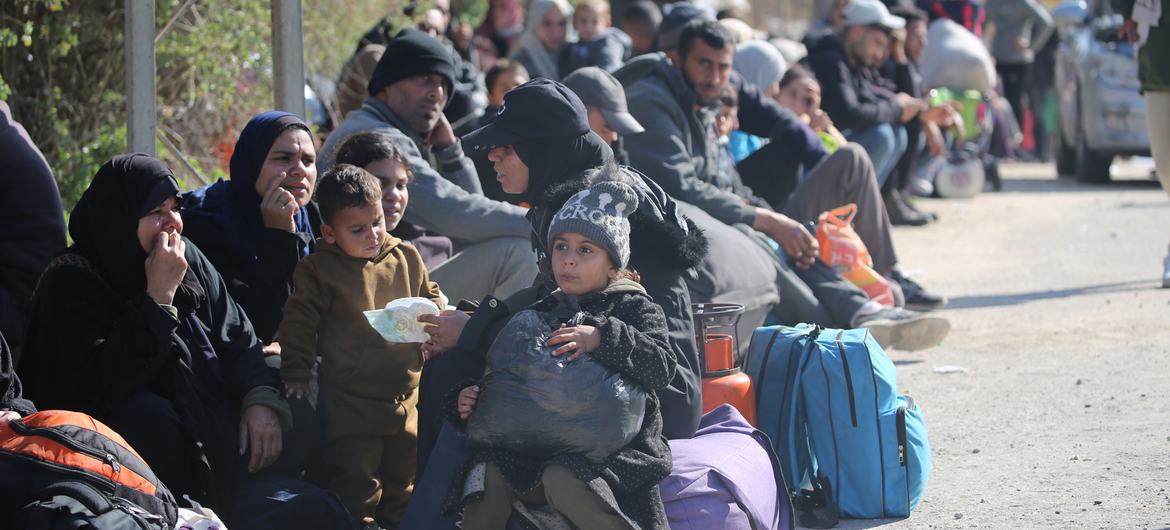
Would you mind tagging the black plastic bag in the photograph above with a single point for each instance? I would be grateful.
(538, 405)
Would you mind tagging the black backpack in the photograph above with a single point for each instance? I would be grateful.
(61, 469)
(75, 505)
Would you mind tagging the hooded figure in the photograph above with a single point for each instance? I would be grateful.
(547, 125)
(173, 379)
(760, 64)
(225, 220)
(530, 51)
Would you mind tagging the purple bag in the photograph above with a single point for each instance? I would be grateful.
(717, 483)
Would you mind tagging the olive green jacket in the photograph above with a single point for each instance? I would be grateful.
(1154, 56)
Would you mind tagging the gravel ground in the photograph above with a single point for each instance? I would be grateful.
(1060, 417)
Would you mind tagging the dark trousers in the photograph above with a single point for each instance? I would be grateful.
(1015, 86)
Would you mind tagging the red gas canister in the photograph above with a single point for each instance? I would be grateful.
(723, 378)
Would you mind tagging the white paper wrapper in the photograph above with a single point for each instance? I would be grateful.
(398, 321)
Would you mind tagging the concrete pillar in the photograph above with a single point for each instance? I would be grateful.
(288, 57)
(140, 76)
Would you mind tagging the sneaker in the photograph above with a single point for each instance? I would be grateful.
(916, 296)
(1166, 272)
(905, 330)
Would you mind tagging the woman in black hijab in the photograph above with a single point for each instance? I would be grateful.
(256, 227)
(134, 326)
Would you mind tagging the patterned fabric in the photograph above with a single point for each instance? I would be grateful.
(600, 214)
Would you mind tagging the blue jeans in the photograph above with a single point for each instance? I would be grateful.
(885, 144)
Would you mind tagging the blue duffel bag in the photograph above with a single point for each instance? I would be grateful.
(828, 400)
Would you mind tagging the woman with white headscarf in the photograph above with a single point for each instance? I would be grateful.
(546, 31)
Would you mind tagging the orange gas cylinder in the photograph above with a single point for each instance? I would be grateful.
(719, 349)
(716, 326)
(735, 388)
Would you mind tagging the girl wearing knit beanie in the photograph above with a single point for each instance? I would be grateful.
(622, 329)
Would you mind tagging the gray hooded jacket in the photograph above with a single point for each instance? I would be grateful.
(678, 150)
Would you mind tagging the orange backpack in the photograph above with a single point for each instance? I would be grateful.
(44, 450)
(842, 249)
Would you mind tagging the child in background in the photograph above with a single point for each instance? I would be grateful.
(503, 76)
(727, 128)
(625, 331)
(368, 386)
(801, 93)
(597, 44)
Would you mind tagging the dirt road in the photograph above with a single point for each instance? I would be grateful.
(1061, 417)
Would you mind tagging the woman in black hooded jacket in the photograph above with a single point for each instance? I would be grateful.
(547, 126)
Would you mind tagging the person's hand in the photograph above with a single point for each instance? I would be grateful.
(260, 431)
(444, 329)
(820, 121)
(935, 144)
(7, 416)
(1021, 43)
(442, 135)
(898, 45)
(577, 339)
(466, 403)
(1129, 31)
(797, 242)
(278, 207)
(271, 349)
(910, 105)
(296, 389)
(165, 267)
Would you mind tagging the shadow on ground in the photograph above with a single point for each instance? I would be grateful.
(999, 300)
(1027, 185)
(861, 524)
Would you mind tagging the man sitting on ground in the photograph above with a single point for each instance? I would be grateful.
(409, 87)
(864, 106)
(674, 99)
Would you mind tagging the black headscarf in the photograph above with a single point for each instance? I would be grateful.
(104, 224)
(248, 157)
(551, 161)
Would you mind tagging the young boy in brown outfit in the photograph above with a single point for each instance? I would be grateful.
(368, 385)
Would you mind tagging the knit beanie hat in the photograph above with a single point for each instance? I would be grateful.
(412, 53)
(599, 213)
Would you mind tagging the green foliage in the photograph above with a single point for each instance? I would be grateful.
(62, 71)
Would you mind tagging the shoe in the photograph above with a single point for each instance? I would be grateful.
(901, 213)
(906, 199)
(1166, 272)
(916, 296)
(905, 330)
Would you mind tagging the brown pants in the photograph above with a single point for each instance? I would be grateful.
(374, 475)
(562, 490)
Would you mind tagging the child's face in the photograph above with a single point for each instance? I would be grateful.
(801, 97)
(726, 121)
(357, 230)
(503, 83)
(395, 195)
(580, 265)
(589, 23)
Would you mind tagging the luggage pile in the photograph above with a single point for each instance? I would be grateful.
(849, 445)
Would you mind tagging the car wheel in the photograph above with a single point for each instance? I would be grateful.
(1091, 166)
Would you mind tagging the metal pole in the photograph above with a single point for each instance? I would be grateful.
(140, 77)
(288, 57)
